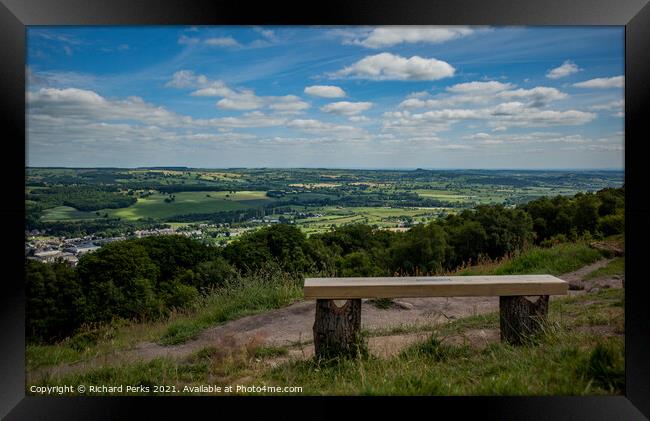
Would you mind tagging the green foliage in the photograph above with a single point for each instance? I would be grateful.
(420, 250)
(55, 302)
(281, 244)
(586, 213)
(83, 198)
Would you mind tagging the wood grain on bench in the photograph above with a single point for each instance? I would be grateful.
(433, 286)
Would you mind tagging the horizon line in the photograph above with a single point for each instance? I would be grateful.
(333, 168)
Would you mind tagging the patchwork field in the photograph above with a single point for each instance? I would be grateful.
(154, 206)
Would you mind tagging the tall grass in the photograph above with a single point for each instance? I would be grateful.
(561, 258)
(252, 294)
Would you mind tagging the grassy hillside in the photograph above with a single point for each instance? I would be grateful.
(580, 351)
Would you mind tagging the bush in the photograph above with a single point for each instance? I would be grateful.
(612, 224)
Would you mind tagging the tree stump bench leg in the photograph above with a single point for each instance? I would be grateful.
(337, 329)
(520, 318)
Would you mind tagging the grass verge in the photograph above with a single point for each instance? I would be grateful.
(555, 260)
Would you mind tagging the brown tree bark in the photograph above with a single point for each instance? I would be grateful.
(337, 329)
(521, 318)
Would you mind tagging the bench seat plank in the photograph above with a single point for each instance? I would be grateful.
(433, 286)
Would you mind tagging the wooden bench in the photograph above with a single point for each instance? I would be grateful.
(337, 329)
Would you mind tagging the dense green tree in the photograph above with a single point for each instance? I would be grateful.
(109, 274)
(420, 250)
(54, 304)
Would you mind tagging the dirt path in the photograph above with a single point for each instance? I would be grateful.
(292, 327)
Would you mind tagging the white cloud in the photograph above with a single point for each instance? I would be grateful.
(388, 36)
(500, 116)
(235, 99)
(535, 97)
(287, 104)
(609, 106)
(359, 119)
(317, 126)
(245, 100)
(346, 108)
(221, 42)
(214, 41)
(479, 87)
(386, 66)
(186, 79)
(266, 33)
(325, 91)
(72, 106)
(484, 93)
(461, 93)
(567, 68)
(602, 83)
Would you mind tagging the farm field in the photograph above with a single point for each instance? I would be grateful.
(381, 217)
(154, 206)
(66, 213)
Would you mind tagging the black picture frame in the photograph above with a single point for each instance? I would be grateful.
(15, 15)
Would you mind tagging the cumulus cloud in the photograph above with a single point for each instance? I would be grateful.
(567, 68)
(346, 108)
(479, 87)
(72, 106)
(602, 83)
(387, 66)
(186, 79)
(535, 97)
(500, 116)
(244, 100)
(484, 93)
(235, 99)
(287, 104)
(392, 35)
(325, 91)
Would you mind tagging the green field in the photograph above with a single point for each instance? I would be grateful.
(154, 206)
(446, 195)
(383, 217)
(66, 213)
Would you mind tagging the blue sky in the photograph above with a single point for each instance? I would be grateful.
(342, 97)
